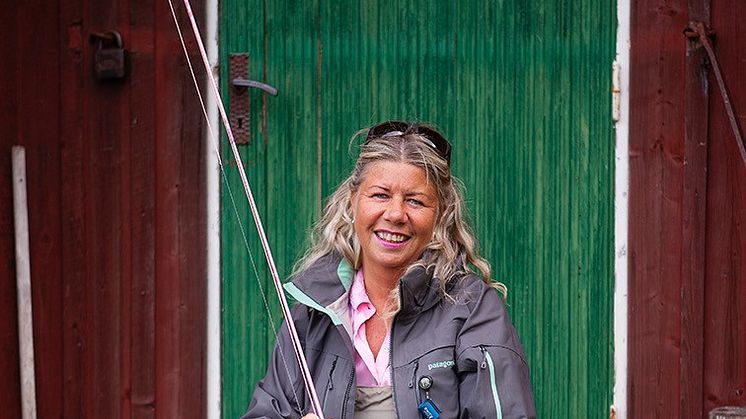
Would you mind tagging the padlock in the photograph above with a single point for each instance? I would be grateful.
(110, 59)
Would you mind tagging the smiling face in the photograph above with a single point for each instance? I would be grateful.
(395, 209)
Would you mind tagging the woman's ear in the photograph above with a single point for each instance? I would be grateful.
(353, 203)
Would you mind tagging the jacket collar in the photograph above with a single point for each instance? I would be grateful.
(328, 279)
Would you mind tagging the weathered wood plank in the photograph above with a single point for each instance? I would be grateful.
(141, 45)
(241, 276)
(180, 229)
(23, 284)
(126, 245)
(73, 165)
(92, 195)
(694, 228)
(105, 131)
(667, 214)
(10, 397)
(725, 307)
(38, 131)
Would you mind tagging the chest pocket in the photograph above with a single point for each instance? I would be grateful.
(433, 375)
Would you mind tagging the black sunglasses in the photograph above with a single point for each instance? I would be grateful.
(401, 128)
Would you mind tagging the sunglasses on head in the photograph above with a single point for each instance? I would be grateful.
(400, 128)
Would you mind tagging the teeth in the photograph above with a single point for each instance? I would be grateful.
(391, 237)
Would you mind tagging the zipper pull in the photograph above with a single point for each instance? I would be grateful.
(414, 374)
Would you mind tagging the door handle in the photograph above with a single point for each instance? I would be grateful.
(239, 82)
(239, 99)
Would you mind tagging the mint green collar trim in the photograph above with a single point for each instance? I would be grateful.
(346, 273)
(302, 298)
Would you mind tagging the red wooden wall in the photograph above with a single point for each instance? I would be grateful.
(116, 191)
(724, 362)
(687, 243)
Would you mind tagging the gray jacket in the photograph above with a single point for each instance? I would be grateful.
(469, 348)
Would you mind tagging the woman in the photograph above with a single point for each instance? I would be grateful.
(393, 321)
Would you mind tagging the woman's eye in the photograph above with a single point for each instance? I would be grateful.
(416, 202)
(379, 196)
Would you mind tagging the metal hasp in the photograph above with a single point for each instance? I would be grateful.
(240, 102)
(110, 60)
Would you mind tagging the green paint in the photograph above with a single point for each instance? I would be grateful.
(522, 89)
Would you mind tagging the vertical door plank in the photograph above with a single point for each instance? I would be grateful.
(143, 122)
(694, 216)
(74, 255)
(245, 279)
(656, 184)
(725, 308)
(92, 193)
(167, 234)
(10, 397)
(180, 229)
(127, 245)
(38, 131)
(107, 231)
(192, 227)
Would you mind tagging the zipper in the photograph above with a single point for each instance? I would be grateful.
(347, 392)
(330, 386)
(493, 380)
(391, 360)
(417, 395)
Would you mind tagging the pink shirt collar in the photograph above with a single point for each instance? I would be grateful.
(370, 371)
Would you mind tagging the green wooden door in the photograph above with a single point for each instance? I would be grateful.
(522, 89)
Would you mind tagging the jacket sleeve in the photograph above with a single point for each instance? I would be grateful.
(280, 394)
(493, 373)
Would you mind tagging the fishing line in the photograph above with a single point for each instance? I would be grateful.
(265, 246)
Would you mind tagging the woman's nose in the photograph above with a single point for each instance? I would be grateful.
(395, 211)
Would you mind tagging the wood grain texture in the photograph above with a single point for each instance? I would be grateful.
(107, 133)
(686, 212)
(73, 167)
(244, 271)
(38, 122)
(10, 397)
(179, 216)
(521, 90)
(725, 308)
(694, 208)
(656, 168)
(142, 295)
(94, 185)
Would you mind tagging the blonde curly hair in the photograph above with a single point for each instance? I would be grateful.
(451, 253)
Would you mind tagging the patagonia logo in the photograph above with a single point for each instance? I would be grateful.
(441, 364)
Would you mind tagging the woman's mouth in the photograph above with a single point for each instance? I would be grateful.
(391, 239)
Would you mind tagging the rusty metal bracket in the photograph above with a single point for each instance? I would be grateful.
(698, 31)
(240, 102)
